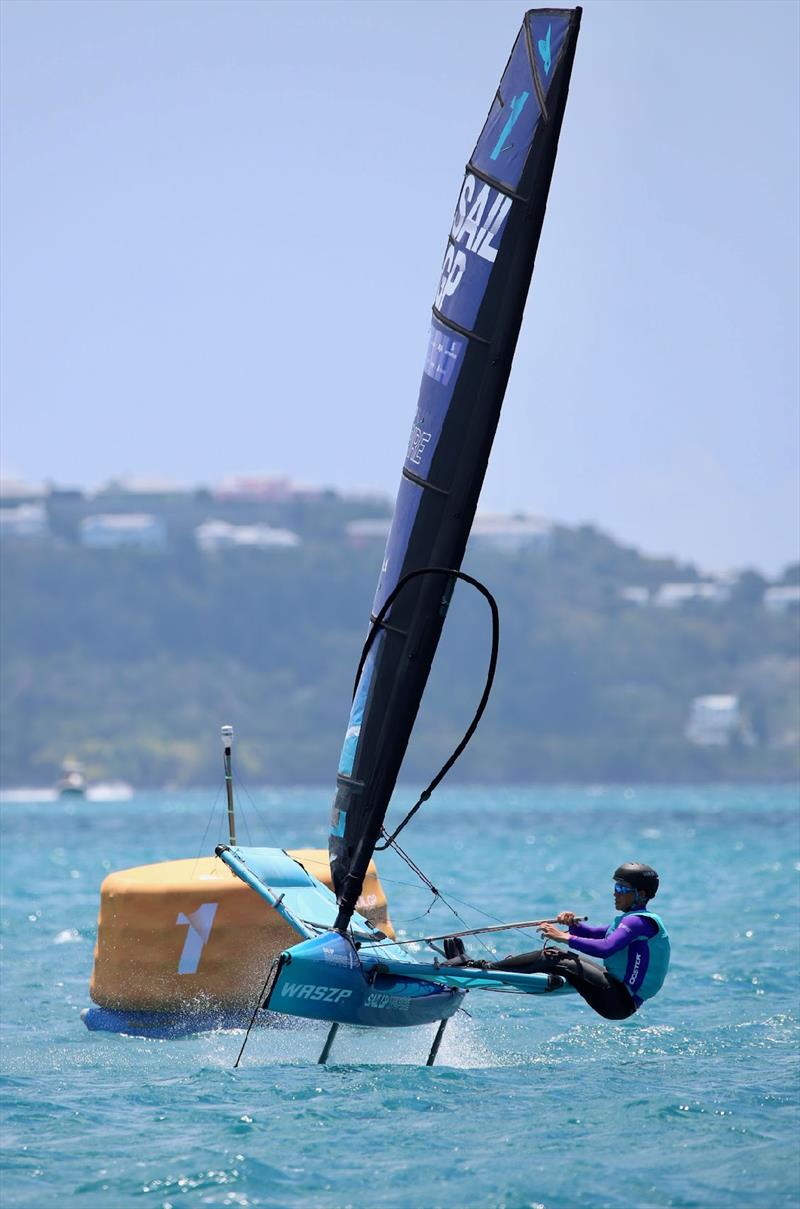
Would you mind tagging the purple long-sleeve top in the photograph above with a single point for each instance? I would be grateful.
(591, 939)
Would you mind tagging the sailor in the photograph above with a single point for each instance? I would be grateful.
(634, 950)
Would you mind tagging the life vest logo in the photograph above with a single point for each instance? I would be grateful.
(544, 51)
(477, 224)
(517, 106)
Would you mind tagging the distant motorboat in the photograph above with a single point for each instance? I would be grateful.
(102, 791)
(72, 782)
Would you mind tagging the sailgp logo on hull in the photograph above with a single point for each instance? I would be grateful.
(477, 224)
(394, 1003)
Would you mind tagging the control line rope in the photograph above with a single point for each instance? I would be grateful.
(437, 894)
(487, 688)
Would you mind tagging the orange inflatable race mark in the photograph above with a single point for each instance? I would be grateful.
(189, 933)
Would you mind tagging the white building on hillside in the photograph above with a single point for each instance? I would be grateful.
(675, 595)
(779, 599)
(108, 530)
(217, 535)
(371, 529)
(25, 521)
(510, 533)
(635, 595)
(261, 488)
(714, 720)
(140, 485)
(15, 491)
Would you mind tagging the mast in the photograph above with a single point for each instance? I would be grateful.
(227, 744)
(476, 317)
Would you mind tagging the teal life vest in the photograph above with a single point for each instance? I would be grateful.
(643, 965)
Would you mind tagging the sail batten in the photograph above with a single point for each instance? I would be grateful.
(455, 327)
(488, 179)
(476, 316)
(425, 483)
(384, 625)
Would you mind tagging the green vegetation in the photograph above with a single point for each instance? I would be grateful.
(132, 660)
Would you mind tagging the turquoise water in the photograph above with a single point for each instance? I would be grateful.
(692, 1103)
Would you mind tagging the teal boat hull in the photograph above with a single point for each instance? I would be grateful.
(327, 978)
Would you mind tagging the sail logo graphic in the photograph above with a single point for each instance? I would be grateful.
(477, 224)
(517, 106)
(440, 363)
(416, 444)
(544, 51)
(199, 923)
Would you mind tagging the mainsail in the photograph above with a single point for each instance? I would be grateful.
(477, 314)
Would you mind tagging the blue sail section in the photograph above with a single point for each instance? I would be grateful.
(479, 225)
(477, 311)
(441, 364)
(406, 510)
(440, 378)
(548, 37)
(502, 148)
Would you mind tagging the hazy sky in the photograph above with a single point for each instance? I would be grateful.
(221, 221)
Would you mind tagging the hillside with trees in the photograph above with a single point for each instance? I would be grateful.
(131, 659)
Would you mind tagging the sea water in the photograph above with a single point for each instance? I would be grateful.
(533, 1102)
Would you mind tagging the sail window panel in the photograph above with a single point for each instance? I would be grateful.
(443, 356)
(406, 511)
(548, 31)
(443, 362)
(353, 733)
(479, 224)
(502, 149)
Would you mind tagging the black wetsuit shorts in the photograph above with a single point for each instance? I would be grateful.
(604, 993)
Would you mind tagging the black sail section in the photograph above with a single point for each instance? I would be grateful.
(476, 318)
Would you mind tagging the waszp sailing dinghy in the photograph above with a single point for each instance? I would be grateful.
(343, 971)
